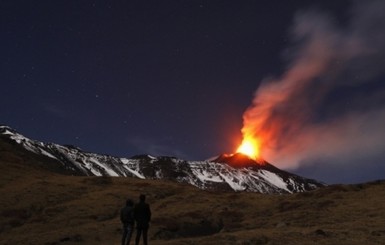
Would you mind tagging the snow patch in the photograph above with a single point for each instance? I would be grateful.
(274, 179)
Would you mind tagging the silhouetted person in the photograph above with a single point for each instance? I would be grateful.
(128, 221)
(142, 214)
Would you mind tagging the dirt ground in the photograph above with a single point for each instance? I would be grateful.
(38, 206)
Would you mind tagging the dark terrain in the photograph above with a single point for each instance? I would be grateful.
(41, 205)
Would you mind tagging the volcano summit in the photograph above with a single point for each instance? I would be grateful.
(235, 172)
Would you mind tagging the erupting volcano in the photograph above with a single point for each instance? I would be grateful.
(248, 154)
(232, 172)
(250, 147)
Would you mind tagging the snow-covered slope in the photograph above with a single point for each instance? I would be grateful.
(226, 173)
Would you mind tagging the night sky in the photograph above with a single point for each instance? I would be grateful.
(176, 77)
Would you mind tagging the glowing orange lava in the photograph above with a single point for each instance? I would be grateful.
(249, 147)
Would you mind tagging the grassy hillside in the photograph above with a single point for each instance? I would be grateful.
(39, 206)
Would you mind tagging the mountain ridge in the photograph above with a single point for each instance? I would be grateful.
(225, 173)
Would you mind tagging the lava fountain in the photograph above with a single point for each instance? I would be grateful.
(250, 147)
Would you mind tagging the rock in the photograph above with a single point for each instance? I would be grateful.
(281, 225)
(320, 232)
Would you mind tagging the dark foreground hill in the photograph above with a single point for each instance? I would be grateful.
(38, 206)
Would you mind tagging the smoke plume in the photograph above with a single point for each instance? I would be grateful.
(330, 102)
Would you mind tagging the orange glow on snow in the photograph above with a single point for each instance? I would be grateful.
(249, 147)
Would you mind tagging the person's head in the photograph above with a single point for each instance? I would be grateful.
(142, 198)
(129, 202)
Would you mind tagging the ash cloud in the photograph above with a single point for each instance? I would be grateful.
(330, 102)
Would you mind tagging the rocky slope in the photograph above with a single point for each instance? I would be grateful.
(225, 173)
(39, 206)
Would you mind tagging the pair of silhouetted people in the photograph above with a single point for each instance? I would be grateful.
(139, 214)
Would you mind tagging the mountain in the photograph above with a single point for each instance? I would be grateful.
(235, 172)
(62, 210)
